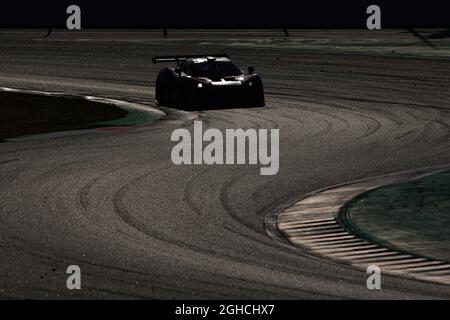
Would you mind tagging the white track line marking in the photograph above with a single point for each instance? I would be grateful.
(313, 224)
(395, 256)
(347, 249)
(414, 264)
(398, 262)
(432, 268)
(364, 253)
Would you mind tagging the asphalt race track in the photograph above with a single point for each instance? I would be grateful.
(141, 227)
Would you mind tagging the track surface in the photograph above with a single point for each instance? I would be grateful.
(139, 226)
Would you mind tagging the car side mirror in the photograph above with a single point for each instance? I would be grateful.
(251, 69)
(177, 70)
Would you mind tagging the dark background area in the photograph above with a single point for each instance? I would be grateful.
(224, 14)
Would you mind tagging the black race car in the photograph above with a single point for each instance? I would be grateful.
(207, 81)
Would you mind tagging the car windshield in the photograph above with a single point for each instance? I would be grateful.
(215, 69)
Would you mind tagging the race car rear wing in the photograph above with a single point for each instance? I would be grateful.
(178, 59)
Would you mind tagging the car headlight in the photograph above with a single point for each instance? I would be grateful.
(200, 85)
